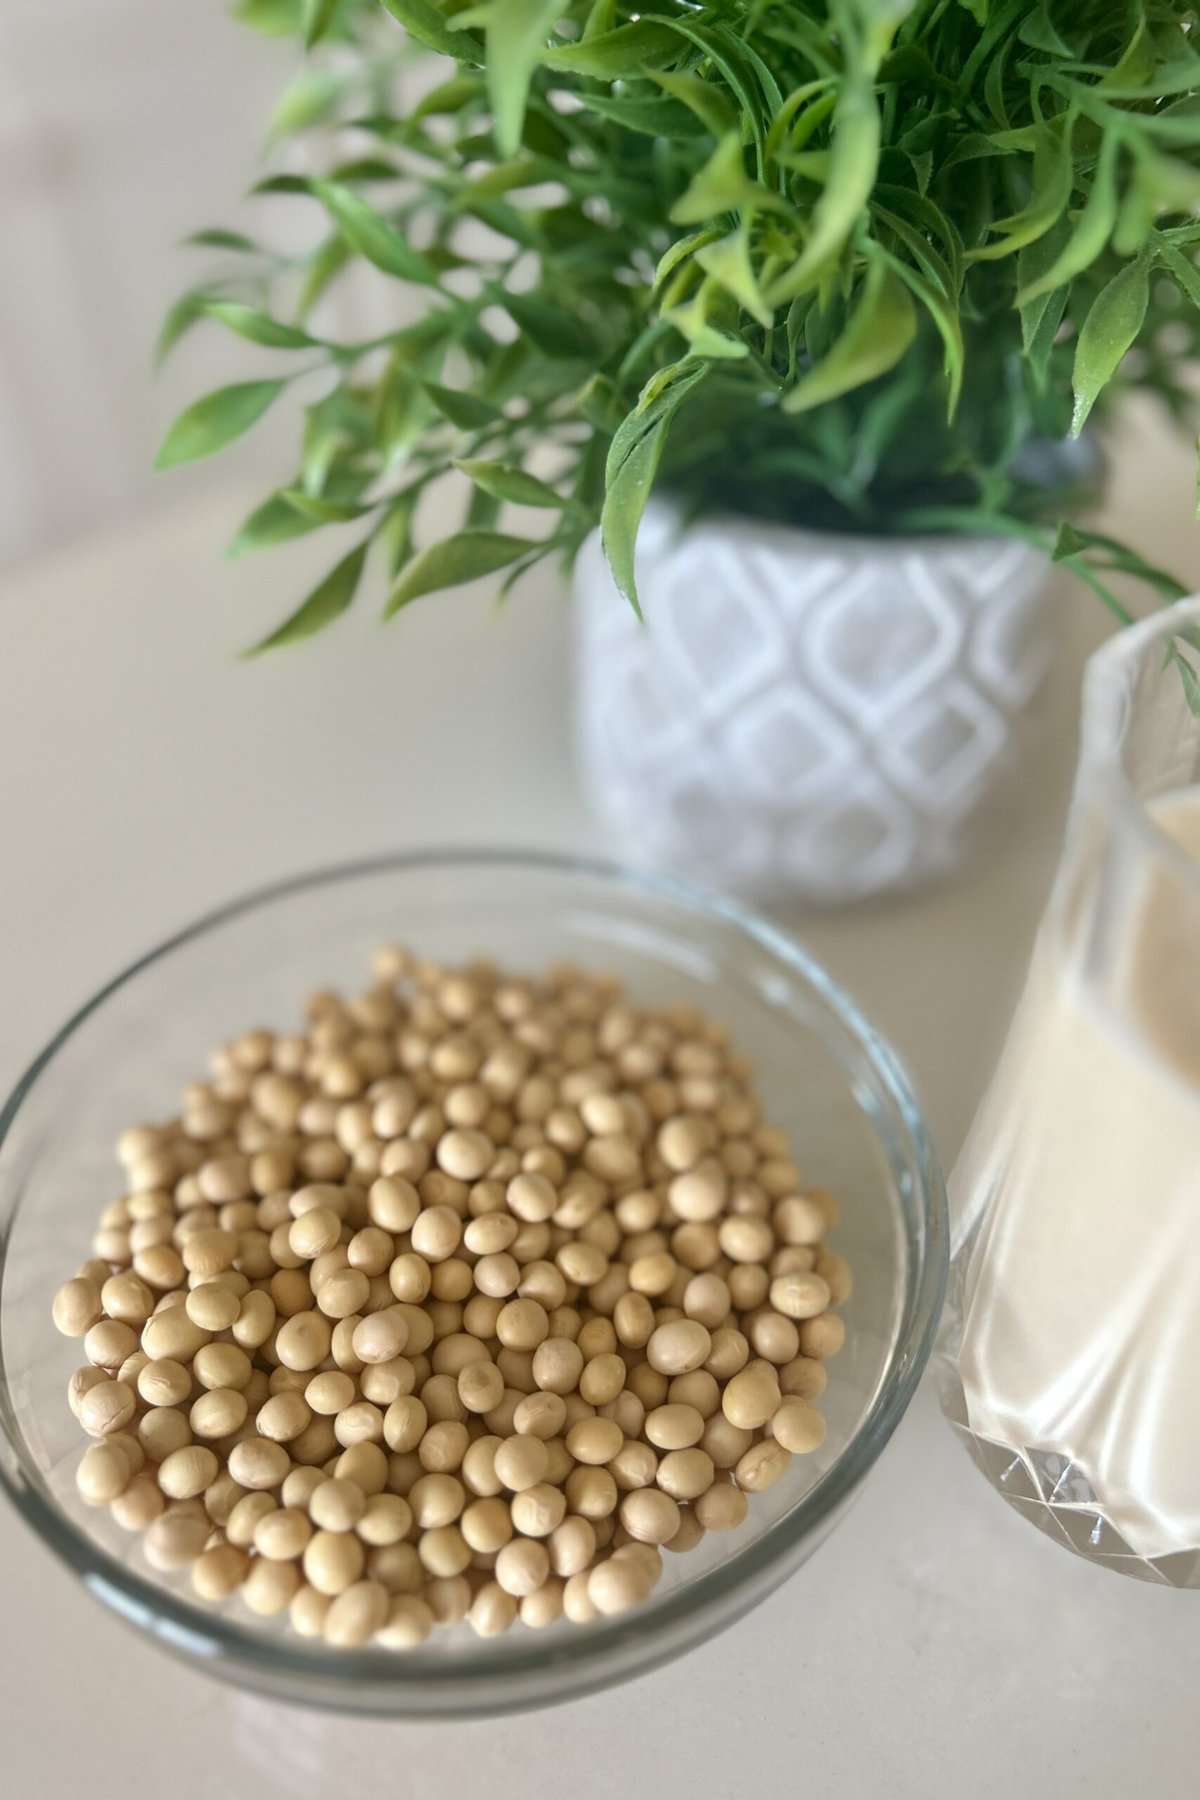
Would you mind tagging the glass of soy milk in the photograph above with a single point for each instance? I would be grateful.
(1070, 1352)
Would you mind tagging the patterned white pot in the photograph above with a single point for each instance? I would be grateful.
(803, 713)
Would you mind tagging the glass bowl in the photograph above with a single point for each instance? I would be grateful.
(824, 1073)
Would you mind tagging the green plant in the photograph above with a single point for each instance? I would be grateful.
(844, 262)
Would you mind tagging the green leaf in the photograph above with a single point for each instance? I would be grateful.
(811, 119)
(1045, 336)
(973, 520)
(740, 45)
(187, 311)
(274, 522)
(1053, 179)
(402, 410)
(551, 330)
(1160, 184)
(944, 314)
(504, 482)
(274, 18)
(365, 168)
(368, 233)
(885, 416)
(321, 510)
(814, 165)
(1071, 548)
(598, 404)
(1092, 230)
(682, 248)
(922, 166)
(334, 426)
(693, 322)
(515, 369)
(973, 146)
(519, 570)
(1180, 267)
(465, 410)
(482, 511)
(318, 17)
(1181, 76)
(327, 602)
(455, 561)
(257, 326)
(215, 237)
(516, 35)
(731, 56)
(667, 386)
(1041, 317)
(448, 98)
(909, 63)
(1084, 572)
(1040, 33)
(624, 503)
(324, 265)
(854, 163)
(877, 333)
(395, 533)
(427, 24)
(507, 221)
(946, 275)
(1112, 324)
(1178, 123)
(633, 459)
(1135, 219)
(282, 184)
(703, 98)
(216, 420)
(1136, 64)
(503, 178)
(1111, 554)
(1068, 542)
(728, 263)
(722, 185)
(649, 116)
(784, 127)
(613, 54)
(305, 102)
(602, 17)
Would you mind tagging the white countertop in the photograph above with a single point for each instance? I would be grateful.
(936, 1646)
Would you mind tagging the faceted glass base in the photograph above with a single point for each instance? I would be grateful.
(1048, 1489)
(1055, 1496)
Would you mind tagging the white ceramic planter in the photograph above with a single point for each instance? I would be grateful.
(803, 713)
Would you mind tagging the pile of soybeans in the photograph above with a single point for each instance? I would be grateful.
(466, 1301)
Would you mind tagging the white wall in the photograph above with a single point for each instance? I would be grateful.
(123, 124)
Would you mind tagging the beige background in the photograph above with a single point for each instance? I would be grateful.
(122, 126)
(936, 1646)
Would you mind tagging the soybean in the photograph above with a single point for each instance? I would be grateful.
(462, 1302)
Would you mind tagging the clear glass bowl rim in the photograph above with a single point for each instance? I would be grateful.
(607, 1651)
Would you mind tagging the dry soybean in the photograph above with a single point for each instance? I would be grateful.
(463, 1303)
